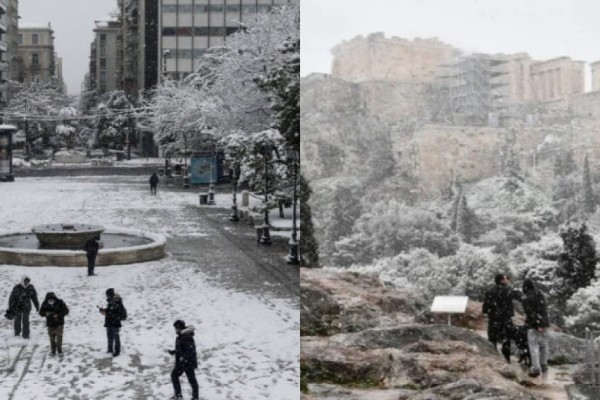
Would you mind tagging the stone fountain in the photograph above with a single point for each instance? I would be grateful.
(63, 245)
(65, 236)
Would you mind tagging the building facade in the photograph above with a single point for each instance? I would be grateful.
(106, 57)
(595, 66)
(189, 27)
(12, 41)
(557, 79)
(36, 48)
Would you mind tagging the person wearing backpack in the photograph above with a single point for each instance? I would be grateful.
(114, 313)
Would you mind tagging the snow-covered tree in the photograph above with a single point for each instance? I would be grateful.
(65, 130)
(577, 262)
(35, 107)
(113, 120)
(309, 248)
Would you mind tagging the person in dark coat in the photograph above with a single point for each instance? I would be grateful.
(153, 183)
(19, 303)
(54, 309)
(498, 305)
(114, 313)
(186, 360)
(91, 251)
(537, 323)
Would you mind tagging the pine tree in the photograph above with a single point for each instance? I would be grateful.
(465, 223)
(589, 204)
(577, 262)
(309, 248)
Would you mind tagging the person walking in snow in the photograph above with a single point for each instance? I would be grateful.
(54, 309)
(91, 248)
(19, 303)
(114, 313)
(185, 359)
(498, 305)
(153, 183)
(537, 323)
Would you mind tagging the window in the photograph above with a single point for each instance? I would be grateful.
(20, 39)
(102, 50)
(34, 38)
(102, 76)
(103, 63)
(103, 37)
(35, 59)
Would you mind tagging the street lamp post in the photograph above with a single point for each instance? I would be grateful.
(293, 258)
(266, 236)
(186, 180)
(234, 213)
(211, 193)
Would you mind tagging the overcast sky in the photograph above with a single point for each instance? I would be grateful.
(73, 24)
(543, 28)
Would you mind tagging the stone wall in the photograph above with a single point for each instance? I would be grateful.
(395, 59)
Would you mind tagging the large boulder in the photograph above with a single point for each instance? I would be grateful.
(335, 302)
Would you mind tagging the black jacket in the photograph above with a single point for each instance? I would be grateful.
(91, 247)
(115, 312)
(21, 297)
(54, 313)
(154, 180)
(536, 312)
(185, 349)
(498, 303)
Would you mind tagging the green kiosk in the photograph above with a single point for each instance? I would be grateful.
(6, 167)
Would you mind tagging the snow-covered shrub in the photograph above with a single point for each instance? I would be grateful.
(583, 308)
(390, 228)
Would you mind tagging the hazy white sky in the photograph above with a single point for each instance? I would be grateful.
(543, 28)
(73, 24)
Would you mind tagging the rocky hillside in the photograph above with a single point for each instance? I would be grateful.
(362, 340)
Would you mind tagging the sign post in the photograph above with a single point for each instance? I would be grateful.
(449, 305)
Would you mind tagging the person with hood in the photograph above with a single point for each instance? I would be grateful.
(499, 307)
(153, 183)
(54, 309)
(91, 248)
(114, 313)
(185, 359)
(19, 303)
(537, 323)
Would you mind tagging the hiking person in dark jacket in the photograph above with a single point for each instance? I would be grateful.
(537, 323)
(114, 313)
(498, 305)
(19, 303)
(153, 183)
(185, 359)
(91, 251)
(54, 309)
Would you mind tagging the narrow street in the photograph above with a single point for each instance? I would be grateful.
(242, 299)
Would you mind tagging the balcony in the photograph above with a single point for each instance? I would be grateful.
(3, 46)
(2, 25)
(3, 7)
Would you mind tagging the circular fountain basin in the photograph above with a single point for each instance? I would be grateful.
(65, 236)
(120, 246)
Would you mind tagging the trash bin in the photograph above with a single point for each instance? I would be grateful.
(203, 199)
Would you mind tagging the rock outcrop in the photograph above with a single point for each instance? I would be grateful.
(363, 340)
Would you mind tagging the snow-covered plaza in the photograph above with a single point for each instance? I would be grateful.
(247, 322)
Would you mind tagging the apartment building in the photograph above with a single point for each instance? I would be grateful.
(106, 57)
(36, 48)
(4, 50)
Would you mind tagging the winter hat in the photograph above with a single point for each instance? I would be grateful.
(50, 295)
(110, 292)
(179, 324)
(25, 281)
(528, 285)
(97, 237)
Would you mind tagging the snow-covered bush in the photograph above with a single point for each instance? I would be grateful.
(583, 308)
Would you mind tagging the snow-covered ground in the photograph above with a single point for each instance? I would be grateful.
(248, 341)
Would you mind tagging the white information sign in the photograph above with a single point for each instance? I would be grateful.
(449, 305)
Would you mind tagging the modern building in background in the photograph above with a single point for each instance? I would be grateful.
(15, 63)
(189, 27)
(168, 37)
(36, 48)
(106, 57)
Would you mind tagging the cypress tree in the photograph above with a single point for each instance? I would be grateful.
(589, 204)
(309, 248)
